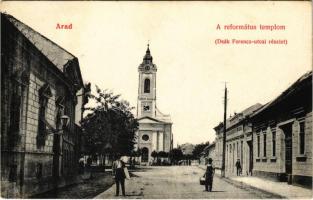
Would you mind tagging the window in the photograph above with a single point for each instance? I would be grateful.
(13, 173)
(39, 170)
(14, 128)
(237, 150)
(44, 95)
(258, 144)
(241, 152)
(274, 143)
(147, 86)
(145, 137)
(264, 145)
(302, 138)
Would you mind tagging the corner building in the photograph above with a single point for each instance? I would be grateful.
(39, 83)
(155, 128)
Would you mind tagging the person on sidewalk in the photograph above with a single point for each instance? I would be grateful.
(209, 173)
(238, 167)
(118, 171)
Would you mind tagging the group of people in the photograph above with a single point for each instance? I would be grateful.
(120, 173)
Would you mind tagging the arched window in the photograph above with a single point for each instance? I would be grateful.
(147, 86)
(44, 95)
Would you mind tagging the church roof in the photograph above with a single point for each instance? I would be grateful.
(153, 119)
(163, 117)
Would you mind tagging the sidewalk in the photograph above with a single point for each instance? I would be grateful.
(278, 188)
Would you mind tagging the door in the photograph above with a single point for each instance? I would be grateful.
(288, 149)
(250, 161)
(145, 154)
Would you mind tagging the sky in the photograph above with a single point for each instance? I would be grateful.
(110, 40)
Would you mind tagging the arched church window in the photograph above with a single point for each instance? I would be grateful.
(147, 86)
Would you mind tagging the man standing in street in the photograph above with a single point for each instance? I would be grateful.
(118, 172)
(238, 167)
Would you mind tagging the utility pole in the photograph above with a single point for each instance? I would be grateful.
(224, 133)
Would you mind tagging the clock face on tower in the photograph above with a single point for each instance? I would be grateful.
(147, 67)
(146, 108)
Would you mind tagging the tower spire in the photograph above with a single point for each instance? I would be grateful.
(148, 58)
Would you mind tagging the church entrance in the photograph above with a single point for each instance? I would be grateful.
(144, 154)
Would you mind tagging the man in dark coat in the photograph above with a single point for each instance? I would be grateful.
(238, 167)
(118, 172)
(209, 173)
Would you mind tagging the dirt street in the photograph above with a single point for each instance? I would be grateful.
(178, 182)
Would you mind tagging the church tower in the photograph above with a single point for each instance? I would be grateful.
(146, 103)
(155, 128)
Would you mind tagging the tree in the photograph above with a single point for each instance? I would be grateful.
(199, 149)
(163, 154)
(154, 154)
(110, 126)
(175, 155)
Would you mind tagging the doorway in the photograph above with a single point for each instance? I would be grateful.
(145, 154)
(288, 150)
(250, 161)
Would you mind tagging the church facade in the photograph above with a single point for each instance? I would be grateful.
(155, 128)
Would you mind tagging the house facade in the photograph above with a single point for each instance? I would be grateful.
(239, 145)
(282, 135)
(39, 82)
(208, 152)
(155, 128)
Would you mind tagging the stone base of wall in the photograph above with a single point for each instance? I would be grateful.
(304, 181)
(33, 187)
(270, 175)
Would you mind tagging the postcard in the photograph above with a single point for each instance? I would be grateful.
(156, 99)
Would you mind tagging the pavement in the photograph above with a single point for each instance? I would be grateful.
(179, 182)
(281, 189)
(278, 188)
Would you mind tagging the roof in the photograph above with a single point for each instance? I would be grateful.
(290, 90)
(56, 54)
(163, 117)
(148, 58)
(205, 150)
(238, 117)
(153, 119)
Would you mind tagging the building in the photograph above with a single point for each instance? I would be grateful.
(208, 152)
(155, 128)
(39, 82)
(239, 143)
(186, 148)
(282, 135)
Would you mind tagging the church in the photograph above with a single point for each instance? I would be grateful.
(155, 128)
